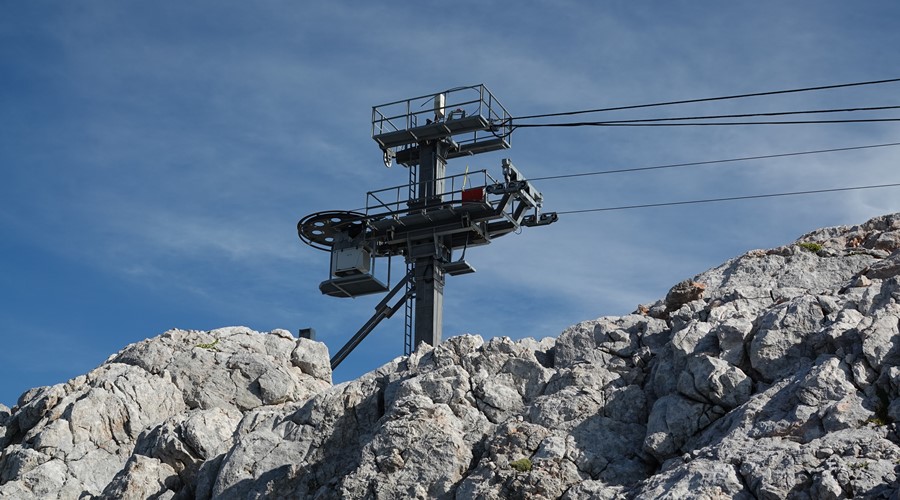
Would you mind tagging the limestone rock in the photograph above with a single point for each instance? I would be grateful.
(312, 358)
(174, 401)
(4, 418)
(778, 377)
(673, 420)
(143, 477)
(782, 340)
(700, 478)
(682, 293)
(714, 381)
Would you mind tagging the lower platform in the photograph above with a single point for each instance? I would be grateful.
(352, 286)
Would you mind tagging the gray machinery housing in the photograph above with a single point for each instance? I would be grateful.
(432, 217)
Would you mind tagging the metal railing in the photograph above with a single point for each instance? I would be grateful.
(459, 102)
(397, 198)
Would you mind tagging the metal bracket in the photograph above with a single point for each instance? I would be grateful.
(540, 220)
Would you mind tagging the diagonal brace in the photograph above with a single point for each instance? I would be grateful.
(382, 311)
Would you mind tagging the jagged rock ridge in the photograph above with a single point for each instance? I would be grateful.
(774, 375)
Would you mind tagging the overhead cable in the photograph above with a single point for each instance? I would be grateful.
(742, 115)
(700, 124)
(711, 162)
(730, 198)
(707, 99)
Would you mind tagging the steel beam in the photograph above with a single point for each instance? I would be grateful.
(429, 253)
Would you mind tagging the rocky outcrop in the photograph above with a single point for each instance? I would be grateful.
(146, 422)
(774, 375)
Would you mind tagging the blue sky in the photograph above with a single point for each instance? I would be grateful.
(155, 157)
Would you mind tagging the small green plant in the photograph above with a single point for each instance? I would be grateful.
(522, 464)
(810, 246)
(211, 347)
(877, 420)
(882, 417)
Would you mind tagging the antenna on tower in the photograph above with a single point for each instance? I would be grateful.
(430, 217)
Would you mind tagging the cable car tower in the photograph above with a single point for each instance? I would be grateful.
(431, 218)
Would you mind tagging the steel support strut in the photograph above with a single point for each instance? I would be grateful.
(382, 311)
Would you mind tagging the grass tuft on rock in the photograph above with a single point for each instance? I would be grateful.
(810, 246)
(521, 465)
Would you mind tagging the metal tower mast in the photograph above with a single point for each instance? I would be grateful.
(428, 256)
(438, 215)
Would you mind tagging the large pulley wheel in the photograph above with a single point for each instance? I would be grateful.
(388, 157)
(320, 230)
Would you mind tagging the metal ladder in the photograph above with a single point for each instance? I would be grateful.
(411, 283)
(408, 316)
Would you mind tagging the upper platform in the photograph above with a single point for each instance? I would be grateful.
(470, 116)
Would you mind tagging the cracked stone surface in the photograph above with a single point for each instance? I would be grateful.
(145, 422)
(774, 375)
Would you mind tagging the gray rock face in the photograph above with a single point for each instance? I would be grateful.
(144, 422)
(774, 375)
